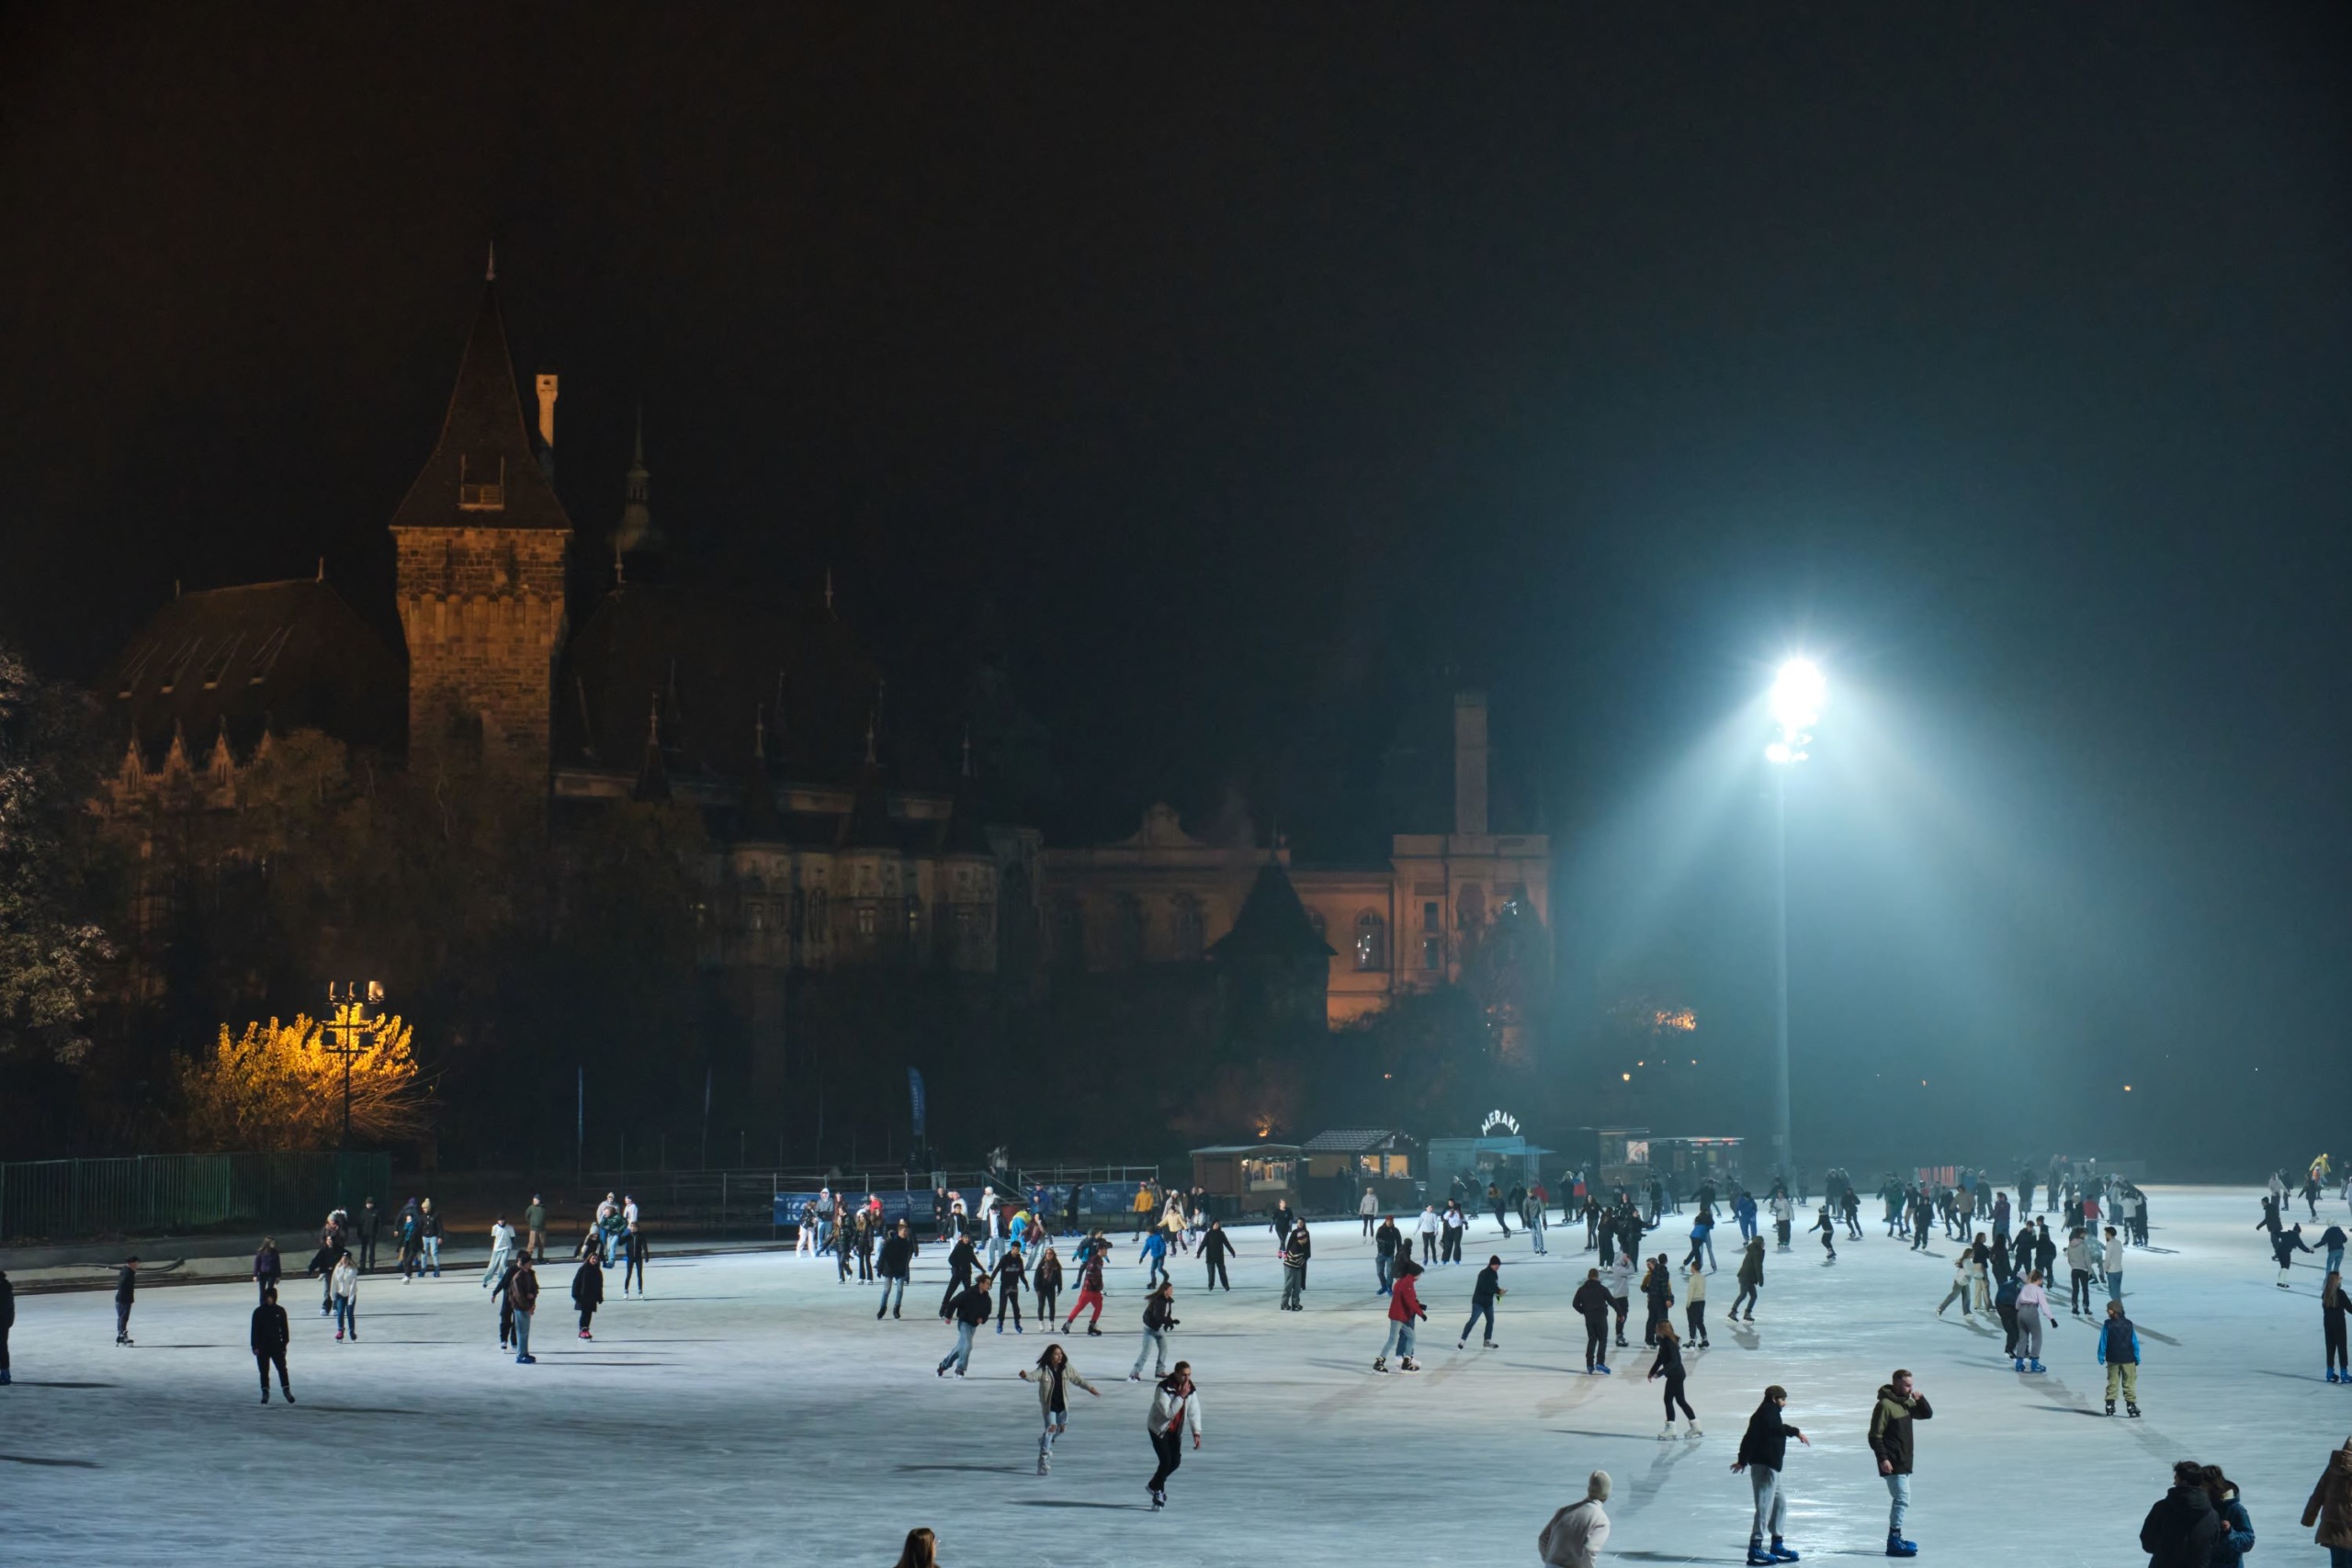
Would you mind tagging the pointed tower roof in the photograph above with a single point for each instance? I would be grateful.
(758, 821)
(1273, 923)
(637, 534)
(482, 473)
(652, 773)
(869, 825)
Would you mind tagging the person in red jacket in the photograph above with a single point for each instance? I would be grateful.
(1089, 1293)
(1405, 1309)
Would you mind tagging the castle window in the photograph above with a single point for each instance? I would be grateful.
(820, 917)
(1432, 916)
(914, 919)
(475, 495)
(1185, 927)
(265, 657)
(759, 916)
(865, 921)
(1372, 942)
(1434, 953)
(218, 665)
(1127, 931)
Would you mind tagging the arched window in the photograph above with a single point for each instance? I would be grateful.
(1372, 942)
(1184, 927)
(914, 918)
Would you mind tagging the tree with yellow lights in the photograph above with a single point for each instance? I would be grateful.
(278, 1087)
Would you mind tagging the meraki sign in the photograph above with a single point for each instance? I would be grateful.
(1502, 1119)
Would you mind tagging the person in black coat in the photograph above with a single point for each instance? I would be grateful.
(126, 1293)
(1593, 1304)
(897, 1263)
(368, 1229)
(7, 1321)
(268, 1267)
(961, 1260)
(2182, 1528)
(588, 1292)
(270, 1337)
(1763, 1453)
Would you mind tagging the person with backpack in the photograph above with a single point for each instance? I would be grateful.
(1405, 1314)
(1054, 1377)
(1175, 1405)
(271, 1335)
(1159, 1318)
(1577, 1533)
(2119, 1352)
(1763, 1453)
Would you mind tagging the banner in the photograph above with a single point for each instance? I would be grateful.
(914, 1092)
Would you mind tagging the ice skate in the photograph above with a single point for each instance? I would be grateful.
(1492, 1345)
(1898, 1547)
(1410, 1365)
(1694, 1434)
(2110, 1408)
(1045, 1465)
(1666, 1435)
(1380, 1363)
(2035, 1367)
(1781, 1553)
(1757, 1557)
(2131, 1410)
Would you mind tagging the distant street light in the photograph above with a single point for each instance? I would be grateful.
(1798, 694)
(351, 1030)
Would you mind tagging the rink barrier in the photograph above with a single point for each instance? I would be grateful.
(69, 1199)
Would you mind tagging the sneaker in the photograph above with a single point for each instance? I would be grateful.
(1781, 1553)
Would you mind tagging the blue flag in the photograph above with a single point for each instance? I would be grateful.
(914, 1092)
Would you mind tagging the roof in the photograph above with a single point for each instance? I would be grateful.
(1351, 1140)
(266, 656)
(1273, 923)
(1250, 1149)
(484, 443)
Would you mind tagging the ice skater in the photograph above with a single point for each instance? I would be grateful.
(1899, 1403)
(1153, 1256)
(1694, 1306)
(961, 1260)
(1158, 1320)
(588, 1290)
(126, 1295)
(429, 1231)
(1175, 1406)
(1961, 1272)
(1751, 1278)
(970, 1310)
(1669, 1365)
(1657, 1298)
(1827, 1227)
(345, 1285)
(1386, 1242)
(2330, 1331)
(501, 1247)
(896, 1266)
(1577, 1532)
(2284, 1245)
(2119, 1352)
(1428, 1227)
(1046, 1281)
(1591, 1303)
(1485, 1292)
(1089, 1289)
(1011, 1276)
(271, 1335)
(1763, 1454)
(7, 1321)
(1621, 1292)
(1216, 1245)
(2032, 1308)
(1295, 1253)
(1054, 1377)
(1405, 1315)
(633, 1271)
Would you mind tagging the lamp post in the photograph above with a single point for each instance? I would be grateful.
(351, 1030)
(1797, 695)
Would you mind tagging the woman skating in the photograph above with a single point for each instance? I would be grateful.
(1694, 1306)
(1046, 1281)
(588, 1290)
(1175, 1405)
(1828, 1229)
(1657, 1298)
(2032, 1307)
(1404, 1311)
(345, 1282)
(1158, 1317)
(1054, 1377)
(1751, 1278)
(1010, 1278)
(2331, 1327)
(1669, 1365)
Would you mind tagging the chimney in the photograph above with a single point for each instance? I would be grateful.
(546, 410)
(1470, 763)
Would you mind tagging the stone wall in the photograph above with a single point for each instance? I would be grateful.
(483, 610)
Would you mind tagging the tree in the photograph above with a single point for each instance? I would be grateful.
(50, 944)
(277, 1087)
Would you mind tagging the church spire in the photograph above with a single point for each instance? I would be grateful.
(636, 538)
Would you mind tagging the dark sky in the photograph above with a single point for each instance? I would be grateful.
(1263, 363)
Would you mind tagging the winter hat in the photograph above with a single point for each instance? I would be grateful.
(1597, 1488)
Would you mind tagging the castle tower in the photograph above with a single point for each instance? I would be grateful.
(481, 538)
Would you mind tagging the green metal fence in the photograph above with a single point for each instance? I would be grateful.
(66, 1200)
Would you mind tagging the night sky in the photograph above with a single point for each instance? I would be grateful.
(1271, 367)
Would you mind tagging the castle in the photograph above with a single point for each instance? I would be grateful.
(840, 836)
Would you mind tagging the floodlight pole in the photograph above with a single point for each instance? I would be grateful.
(1782, 1149)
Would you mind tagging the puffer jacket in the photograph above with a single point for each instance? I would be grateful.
(2237, 1533)
(2330, 1507)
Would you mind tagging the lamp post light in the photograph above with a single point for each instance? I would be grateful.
(351, 1030)
(1797, 695)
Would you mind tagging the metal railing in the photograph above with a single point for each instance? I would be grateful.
(64, 1200)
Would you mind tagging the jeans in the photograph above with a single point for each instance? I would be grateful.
(1400, 1339)
(346, 1317)
(1535, 1232)
(433, 1254)
(1056, 1423)
(894, 1295)
(1771, 1503)
(1155, 1346)
(1898, 1490)
(959, 1357)
(1381, 1267)
(521, 1335)
(1485, 1310)
(2334, 1259)
(1294, 1283)
(1009, 1300)
(1748, 1295)
(2115, 1284)
(122, 1320)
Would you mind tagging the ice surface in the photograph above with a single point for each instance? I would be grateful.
(752, 1410)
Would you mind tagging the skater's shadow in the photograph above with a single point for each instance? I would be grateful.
(982, 1469)
(1578, 1432)
(1746, 1336)
(2265, 1371)
(49, 1463)
(26, 1383)
(2159, 1339)
(364, 1410)
(1982, 1330)
(2072, 1410)
(1075, 1503)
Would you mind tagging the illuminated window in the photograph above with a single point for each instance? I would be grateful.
(136, 668)
(478, 495)
(1434, 953)
(865, 921)
(914, 919)
(1372, 942)
(1432, 916)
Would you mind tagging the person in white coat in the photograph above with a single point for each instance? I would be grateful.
(1368, 1211)
(1175, 1405)
(345, 1286)
(1428, 1228)
(1577, 1532)
(502, 1248)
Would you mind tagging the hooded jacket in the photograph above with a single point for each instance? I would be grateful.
(2181, 1530)
(1751, 1265)
(1577, 1533)
(588, 1286)
(1891, 1420)
(2237, 1532)
(2330, 1507)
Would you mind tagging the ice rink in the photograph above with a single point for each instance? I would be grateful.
(752, 1410)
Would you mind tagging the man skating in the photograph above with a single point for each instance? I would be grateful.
(523, 1292)
(2119, 1352)
(1215, 1248)
(970, 1310)
(1484, 1292)
(126, 1293)
(1591, 1303)
(1763, 1451)
(535, 1228)
(1897, 1406)
(271, 1335)
(1577, 1533)
(897, 1264)
(1751, 1278)
(1175, 1405)
(1158, 1319)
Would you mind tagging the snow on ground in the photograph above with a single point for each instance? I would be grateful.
(752, 1410)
